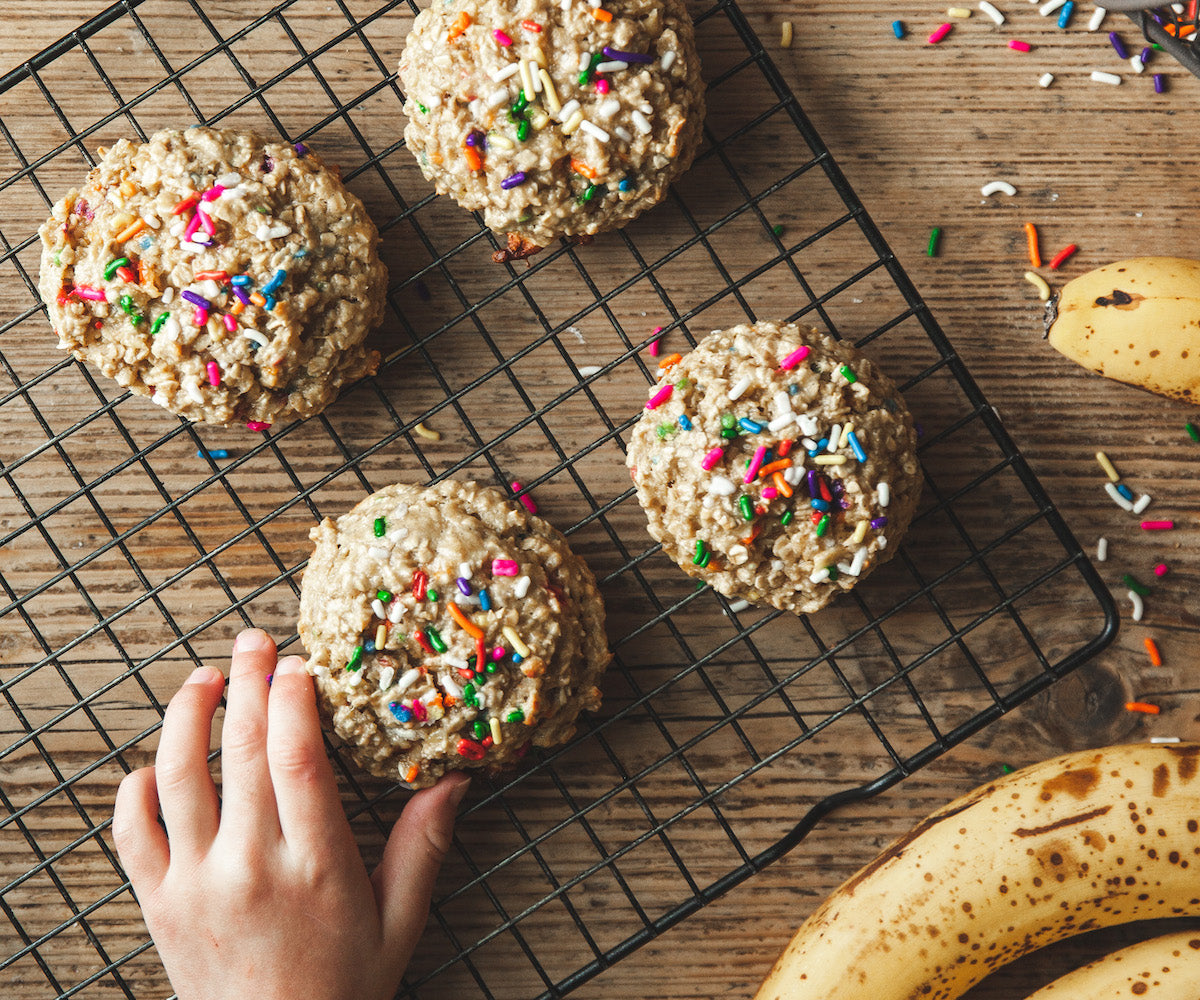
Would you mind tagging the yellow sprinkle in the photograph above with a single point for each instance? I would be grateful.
(860, 532)
(830, 460)
(496, 736)
(539, 57)
(959, 12)
(526, 80)
(1039, 283)
(500, 141)
(425, 432)
(381, 636)
(510, 634)
(549, 94)
(846, 432)
(785, 35)
(572, 123)
(1109, 469)
(538, 118)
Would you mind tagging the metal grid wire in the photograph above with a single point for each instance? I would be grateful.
(128, 554)
(1176, 28)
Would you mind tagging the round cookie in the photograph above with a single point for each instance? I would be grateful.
(405, 593)
(553, 118)
(776, 464)
(230, 279)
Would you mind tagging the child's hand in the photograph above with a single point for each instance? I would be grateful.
(265, 896)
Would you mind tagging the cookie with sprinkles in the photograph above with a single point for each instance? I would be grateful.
(449, 628)
(553, 117)
(776, 464)
(230, 279)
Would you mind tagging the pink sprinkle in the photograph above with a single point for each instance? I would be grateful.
(502, 38)
(230, 322)
(497, 652)
(257, 425)
(755, 464)
(526, 502)
(712, 458)
(504, 567)
(602, 86)
(87, 292)
(940, 32)
(1161, 569)
(192, 226)
(660, 397)
(770, 493)
(1018, 46)
(793, 359)
(654, 343)
(1157, 525)
(200, 316)
(206, 222)
(213, 193)
(214, 374)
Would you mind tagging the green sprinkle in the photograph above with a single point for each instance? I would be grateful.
(516, 715)
(421, 107)
(522, 130)
(356, 658)
(664, 429)
(588, 194)
(786, 518)
(58, 258)
(431, 595)
(1134, 585)
(1193, 432)
(159, 320)
(490, 668)
(435, 640)
(823, 525)
(729, 433)
(469, 695)
(747, 507)
(934, 236)
(384, 595)
(520, 104)
(112, 266)
(833, 573)
(261, 210)
(380, 527)
(480, 728)
(595, 61)
(777, 230)
(1006, 769)
(701, 556)
(127, 304)
(727, 420)
(848, 375)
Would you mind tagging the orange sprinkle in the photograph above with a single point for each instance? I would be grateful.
(411, 773)
(777, 466)
(127, 189)
(601, 15)
(1031, 237)
(130, 231)
(749, 539)
(1143, 707)
(461, 23)
(1152, 649)
(582, 168)
(668, 362)
(238, 307)
(474, 160)
(782, 484)
(465, 623)
(257, 299)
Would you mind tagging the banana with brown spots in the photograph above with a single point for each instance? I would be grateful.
(1163, 968)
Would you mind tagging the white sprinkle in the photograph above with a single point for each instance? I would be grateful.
(781, 421)
(1050, 6)
(622, 133)
(809, 444)
(465, 570)
(475, 108)
(584, 59)
(808, 427)
(171, 329)
(386, 676)
(1101, 550)
(521, 587)
(230, 179)
(835, 435)
(168, 295)
(641, 122)
(997, 187)
(739, 387)
(722, 486)
(1097, 19)
(1119, 500)
(739, 606)
(567, 110)
(991, 11)
(1100, 77)
(856, 564)
(448, 685)
(1136, 64)
(645, 108)
(1164, 739)
(1142, 503)
(400, 533)
(177, 228)
(407, 680)
(152, 221)
(884, 494)
(192, 390)
(792, 473)
(1138, 607)
(495, 99)
(377, 552)
(455, 661)
(1045, 80)
(667, 60)
(820, 576)
(377, 608)
(595, 131)
(612, 66)
(783, 403)
(587, 371)
(499, 141)
(395, 612)
(428, 697)
(353, 677)
(608, 108)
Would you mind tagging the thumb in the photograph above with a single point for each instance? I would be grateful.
(403, 882)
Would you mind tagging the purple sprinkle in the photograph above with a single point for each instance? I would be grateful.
(464, 586)
(1118, 45)
(512, 180)
(240, 292)
(814, 488)
(194, 299)
(878, 523)
(1145, 56)
(628, 57)
(1159, 85)
(301, 149)
(268, 164)
(472, 138)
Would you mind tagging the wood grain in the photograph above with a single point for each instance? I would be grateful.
(917, 130)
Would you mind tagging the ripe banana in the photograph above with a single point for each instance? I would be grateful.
(1079, 842)
(1163, 968)
(1136, 321)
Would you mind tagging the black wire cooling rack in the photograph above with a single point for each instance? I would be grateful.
(129, 552)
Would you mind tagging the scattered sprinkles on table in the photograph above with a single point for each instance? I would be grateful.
(233, 281)
(449, 628)
(776, 464)
(553, 118)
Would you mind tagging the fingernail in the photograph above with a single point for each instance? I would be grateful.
(289, 665)
(202, 675)
(462, 781)
(250, 639)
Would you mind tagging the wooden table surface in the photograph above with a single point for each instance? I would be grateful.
(918, 129)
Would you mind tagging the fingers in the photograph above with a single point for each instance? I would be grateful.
(310, 810)
(141, 842)
(248, 806)
(418, 842)
(186, 791)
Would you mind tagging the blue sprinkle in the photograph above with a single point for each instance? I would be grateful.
(793, 389)
(145, 242)
(369, 646)
(898, 29)
(819, 504)
(240, 280)
(212, 453)
(751, 426)
(517, 657)
(1125, 491)
(625, 184)
(272, 286)
(270, 303)
(485, 601)
(684, 422)
(856, 447)
(1065, 17)
(401, 713)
